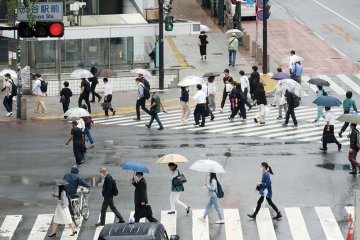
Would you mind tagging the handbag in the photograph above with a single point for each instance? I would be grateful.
(105, 106)
(179, 179)
(62, 99)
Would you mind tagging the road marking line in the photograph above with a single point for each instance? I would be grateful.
(142, 220)
(329, 223)
(333, 85)
(66, 235)
(200, 230)
(232, 224)
(110, 218)
(40, 227)
(297, 224)
(9, 226)
(265, 225)
(320, 37)
(169, 222)
(353, 86)
(179, 57)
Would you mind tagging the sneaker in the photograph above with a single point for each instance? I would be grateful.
(202, 219)
(339, 147)
(92, 145)
(243, 120)
(44, 112)
(278, 215)
(212, 118)
(295, 126)
(279, 118)
(9, 114)
(220, 222)
(35, 111)
(353, 172)
(255, 120)
(253, 216)
(147, 125)
(284, 124)
(202, 125)
(187, 210)
(323, 149)
(231, 119)
(114, 113)
(340, 134)
(160, 128)
(99, 224)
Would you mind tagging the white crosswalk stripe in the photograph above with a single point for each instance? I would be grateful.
(200, 229)
(233, 224)
(297, 224)
(329, 224)
(169, 222)
(9, 226)
(40, 227)
(265, 225)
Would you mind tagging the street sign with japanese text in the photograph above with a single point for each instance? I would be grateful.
(43, 11)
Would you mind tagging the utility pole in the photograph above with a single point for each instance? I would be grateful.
(265, 45)
(221, 12)
(238, 15)
(161, 44)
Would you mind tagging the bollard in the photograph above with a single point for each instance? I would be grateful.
(260, 56)
(253, 49)
(247, 42)
(268, 63)
(23, 109)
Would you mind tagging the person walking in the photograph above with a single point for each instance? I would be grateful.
(40, 91)
(233, 45)
(154, 110)
(176, 190)
(232, 96)
(62, 213)
(85, 93)
(141, 100)
(349, 106)
(88, 123)
(260, 100)
(200, 108)
(280, 100)
(265, 184)
(292, 59)
(94, 81)
(296, 72)
(108, 195)
(8, 99)
(227, 79)
(205, 88)
(254, 80)
(320, 113)
(65, 95)
(202, 44)
(328, 132)
(142, 209)
(245, 84)
(291, 104)
(211, 91)
(184, 101)
(213, 199)
(240, 99)
(77, 137)
(354, 149)
(108, 88)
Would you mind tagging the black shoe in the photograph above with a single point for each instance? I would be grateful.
(73, 234)
(99, 99)
(233, 65)
(147, 125)
(250, 108)
(323, 149)
(229, 64)
(187, 210)
(99, 224)
(202, 125)
(160, 128)
(339, 147)
(278, 215)
(212, 118)
(52, 235)
(171, 212)
(136, 119)
(340, 134)
(253, 216)
(205, 57)
(121, 221)
(92, 101)
(353, 172)
(114, 113)
(255, 120)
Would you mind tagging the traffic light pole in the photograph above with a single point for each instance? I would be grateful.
(161, 44)
(238, 13)
(265, 59)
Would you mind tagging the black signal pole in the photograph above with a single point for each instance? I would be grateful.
(161, 44)
(265, 16)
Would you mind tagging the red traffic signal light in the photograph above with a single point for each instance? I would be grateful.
(41, 30)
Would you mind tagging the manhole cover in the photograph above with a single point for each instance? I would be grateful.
(218, 54)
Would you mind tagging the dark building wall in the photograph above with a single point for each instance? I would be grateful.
(111, 7)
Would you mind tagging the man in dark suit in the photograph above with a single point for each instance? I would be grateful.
(140, 199)
(108, 194)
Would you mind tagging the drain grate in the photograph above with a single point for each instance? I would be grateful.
(217, 54)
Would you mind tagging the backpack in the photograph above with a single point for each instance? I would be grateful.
(146, 83)
(146, 92)
(87, 87)
(115, 189)
(296, 100)
(220, 192)
(43, 86)
(14, 88)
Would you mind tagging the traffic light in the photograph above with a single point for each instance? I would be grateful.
(41, 30)
(267, 7)
(169, 23)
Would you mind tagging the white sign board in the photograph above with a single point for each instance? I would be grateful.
(42, 11)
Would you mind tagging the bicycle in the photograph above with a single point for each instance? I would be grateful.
(80, 205)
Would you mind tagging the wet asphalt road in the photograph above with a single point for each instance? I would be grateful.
(34, 152)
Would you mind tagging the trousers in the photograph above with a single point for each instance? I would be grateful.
(8, 103)
(185, 112)
(199, 111)
(259, 202)
(213, 201)
(291, 112)
(85, 96)
(109, 202)
(174, 198)
(141, 103)
(352, 158)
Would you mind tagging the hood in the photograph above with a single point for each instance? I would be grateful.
(75, 170)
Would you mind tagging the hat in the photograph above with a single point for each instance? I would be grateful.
(227, 70)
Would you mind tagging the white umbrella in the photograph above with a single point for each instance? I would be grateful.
(12, 73)
(208, 166)
(76, 113)
(293, 59)
(293, 86)
(238, 33)
(204, 28)
(141, 71)
(81, 73)
(190, 80)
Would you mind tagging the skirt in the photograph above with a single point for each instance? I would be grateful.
(62, 215)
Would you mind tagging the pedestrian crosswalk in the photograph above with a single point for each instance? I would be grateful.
(307, 131)
(266, 228)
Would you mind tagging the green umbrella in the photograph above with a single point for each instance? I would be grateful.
(350, 118)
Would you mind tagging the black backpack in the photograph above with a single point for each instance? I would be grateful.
(43, 86)
(87, 87)
(146, 83)
(146, 92)
(220, 192)
(115, 189)
(14, 88)
(296, 100)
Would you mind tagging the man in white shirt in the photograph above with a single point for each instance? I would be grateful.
(292, 59)
(328, 132)
(8, 97)
(244, 81)
(200, 99)
(209, 89)
(40, 95)
(108, 97)
(141, 100)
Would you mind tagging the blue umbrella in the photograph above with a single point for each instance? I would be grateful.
(327, 101)
(134, 166)
(280, 76)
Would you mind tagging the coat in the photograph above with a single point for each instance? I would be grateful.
(140, 194)
(108, 185)
(74, 180)
(266, 184)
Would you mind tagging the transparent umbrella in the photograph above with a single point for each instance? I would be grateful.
(81, 73)
(208, 166)
(237, 32)
(190, 80)
(76, 113)
(293, 87)
(12, 73)
(141, 71)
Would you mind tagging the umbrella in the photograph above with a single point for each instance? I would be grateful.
(204, 28)
(211, 74)
(280, 76)
(134, 166)
(81, 73)
(87, 64)
(175, 158)
(12, 73)
(327, 101)
(106, 73)
(76, 113)
(190, 80)
(141, 71)
(55, 182)
(293, 58)
(350, 118)
(319, 82)
(207, 166)
(293, 87)
(238, 33)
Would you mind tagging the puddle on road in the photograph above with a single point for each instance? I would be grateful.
(334, 166)
(192, 145)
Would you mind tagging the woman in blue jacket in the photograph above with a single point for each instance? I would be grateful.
(265, 184)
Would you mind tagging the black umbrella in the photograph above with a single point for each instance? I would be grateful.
(319, 82)
(84, 64)
(56, 182)
(211, 74)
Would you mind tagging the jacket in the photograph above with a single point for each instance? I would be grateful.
(36, 89)
(289, 99)
(140, 194)
(266, 184)
(107, 190)
(184, 96)
(353, 138)
(74, 181)
(260, 97)
(254, 80)
(348, 103)
(233, 44)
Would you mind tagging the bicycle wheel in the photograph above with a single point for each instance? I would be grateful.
(85, 208)
(76, 218)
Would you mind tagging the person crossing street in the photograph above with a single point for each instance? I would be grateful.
(354, 149)
(200, 108)
(328, 132)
